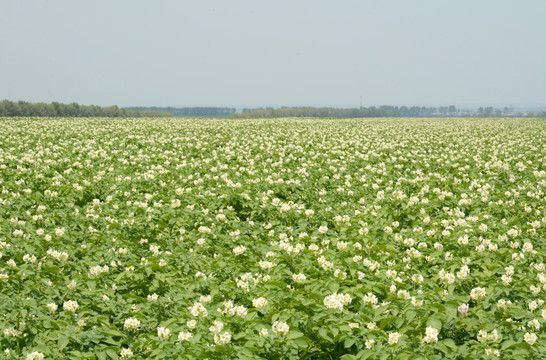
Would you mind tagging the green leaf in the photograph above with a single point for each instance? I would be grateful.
(293, 335)
(112, 354)
(324, 334)
(364, 354)
(506, 344)
(410, 315)
(301, 342)
(62, 342)
(111, 332)
(348, 343)
(450, 344)
(435, 323)
(148, 270)
(334, 287)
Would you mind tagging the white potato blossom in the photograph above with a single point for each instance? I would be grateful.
(70, 306)
(534, 324)
(184, 336)
(222, 339)
(299, 278)
(35, 356)
(394, 337)
(484, 336)
(197, 309)
(477, 293)
(431, 335)
(280, 327)
(126, 354)
(131, 324)
(260, 302)
(530, 338)
(337, 301)
(163, 333)
(370, 298)
(239, 250)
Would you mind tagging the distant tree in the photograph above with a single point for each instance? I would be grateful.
(23, 108)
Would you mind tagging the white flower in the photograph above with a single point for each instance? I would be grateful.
(280, 328)
(222, 339)
(163, 333)
(534, 324)
(394, 337)
(259, 302)
(266, 265)
(370, 298)
(216, 327)
(487, 336)
(72, 285)
(184, 336)
(239, 250)
(477, 293)
(431, 335)
(35, 356)
(71, 306)
(337, 301)
(530, 338)
(126, 354)
(299, 278)
(131, 324)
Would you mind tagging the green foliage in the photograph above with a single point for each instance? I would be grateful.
(55, 109)
(285, 239)
(214, 112)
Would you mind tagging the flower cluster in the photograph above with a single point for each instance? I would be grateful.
(280, 327)
(131, 324)
(431, 335)
(70, 306)
(337, 301)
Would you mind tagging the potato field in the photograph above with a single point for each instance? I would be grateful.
(272, 239)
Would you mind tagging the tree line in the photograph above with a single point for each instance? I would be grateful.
(190, 111)
(55, 109)
(381, 111)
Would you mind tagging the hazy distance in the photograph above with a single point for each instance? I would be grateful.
(272, 53)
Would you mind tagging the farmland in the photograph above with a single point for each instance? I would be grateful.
(272, 239)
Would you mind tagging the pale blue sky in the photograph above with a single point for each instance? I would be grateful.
(256, 53)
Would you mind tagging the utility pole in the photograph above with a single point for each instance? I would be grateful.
(360, 102)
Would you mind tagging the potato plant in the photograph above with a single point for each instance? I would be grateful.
(272, 239)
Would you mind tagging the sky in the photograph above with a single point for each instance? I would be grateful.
(272, 53)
